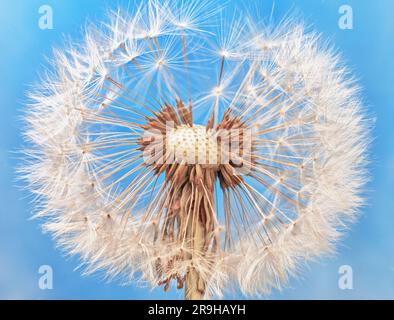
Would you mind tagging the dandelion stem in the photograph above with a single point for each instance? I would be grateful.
(194, 283)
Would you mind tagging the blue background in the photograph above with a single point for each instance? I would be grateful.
(368, 248)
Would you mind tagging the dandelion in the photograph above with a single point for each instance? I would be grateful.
(156, 155)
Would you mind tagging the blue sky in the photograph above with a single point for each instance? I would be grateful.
(368, 248)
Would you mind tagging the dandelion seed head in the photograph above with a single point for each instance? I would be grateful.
(132, 158)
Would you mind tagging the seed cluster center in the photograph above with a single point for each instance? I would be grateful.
(193, 145)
